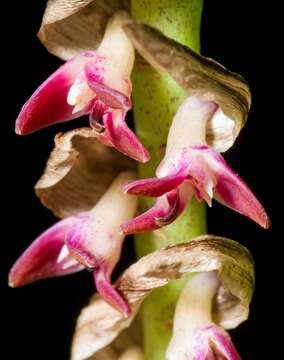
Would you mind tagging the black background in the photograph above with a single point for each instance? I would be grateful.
(39, 319)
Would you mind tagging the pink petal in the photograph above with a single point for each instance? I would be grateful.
(200, 175)
(45, 257)
(166, 209)
(96, 240)
(48, 104)
(77, 241)
(231, 191)
(200, 347)
(211, 355)
(154, 186)
(222, 343)
(118, 135)
(111, 97)
(193, 345)
(109, 293)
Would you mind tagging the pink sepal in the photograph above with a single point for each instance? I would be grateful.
(48, 104)
(166, 209)
(220, 342)
(209, 343)
(108, 292)
(154, 186)
(205, 173)
(116, 133)
(111, 97)
(231, 191)
(44, 257)
(77, 241)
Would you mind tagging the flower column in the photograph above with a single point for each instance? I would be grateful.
(156, 99)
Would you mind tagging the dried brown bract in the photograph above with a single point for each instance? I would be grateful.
(198, 76)
(71, 26)
(78, 172)
(99, 323)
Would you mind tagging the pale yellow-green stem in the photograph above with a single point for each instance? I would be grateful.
(156, 99)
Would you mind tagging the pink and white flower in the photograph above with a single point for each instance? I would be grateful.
(89, 240)
(95, 83)
(195, 336)
(190, 167)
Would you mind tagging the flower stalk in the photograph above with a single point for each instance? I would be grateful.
(156, 99)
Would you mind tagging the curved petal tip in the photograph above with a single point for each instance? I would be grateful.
(109, 293)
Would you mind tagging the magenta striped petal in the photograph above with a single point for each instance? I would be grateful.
(77, 240)
(117, 134)
(199, 347)
(111, 97)
(109, 293)
(231, 191)
(48, 104)
(211, 355)
(204, 343)
(154, 186)
(222, 344)
(207, 174)
(45, 257)
(96, 241)
(98, 248)
(166, 209)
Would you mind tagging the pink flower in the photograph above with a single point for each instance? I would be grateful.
(95, 83)
(190, 167)
(89, 240)
(195, 336)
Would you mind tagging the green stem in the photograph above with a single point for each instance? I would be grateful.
(156, 99)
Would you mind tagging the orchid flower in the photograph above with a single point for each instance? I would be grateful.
(95, 83)
(190, 167)
(90, 240)
(195, 336)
